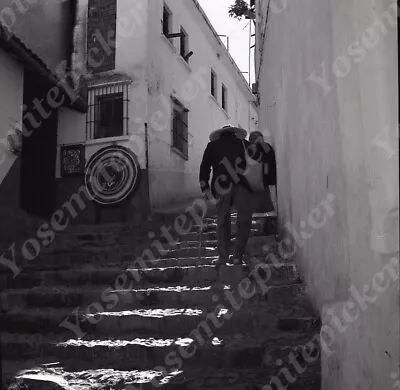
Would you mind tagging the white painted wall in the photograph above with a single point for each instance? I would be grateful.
(339, 136)
(172, 179)
(11, 98)
(130, 64)
(158, 72)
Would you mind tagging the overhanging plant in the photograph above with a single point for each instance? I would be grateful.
(240, 9)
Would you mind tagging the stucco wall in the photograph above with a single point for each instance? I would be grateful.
(157, 72)
(329, 104)
(32, 21)
(172, 179)
(130, 64)
(11, 98)
(14, 221)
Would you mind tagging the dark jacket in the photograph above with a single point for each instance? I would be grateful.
(226, 157)
(258, 152)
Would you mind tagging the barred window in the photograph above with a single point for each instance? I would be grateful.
(224, 98)
(166, 21)
(184, 43)
(180, 132)
(107, 114)
(213, 84)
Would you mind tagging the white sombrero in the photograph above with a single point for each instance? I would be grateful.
(239, 132)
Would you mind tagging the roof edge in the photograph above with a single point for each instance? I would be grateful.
(11, 43)
(226, 52)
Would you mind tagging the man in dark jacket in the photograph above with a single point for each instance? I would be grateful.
(225, 154)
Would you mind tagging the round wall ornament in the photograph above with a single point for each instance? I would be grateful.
(112, 174)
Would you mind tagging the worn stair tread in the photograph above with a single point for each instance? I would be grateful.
(172, 304)
(82, 290)
(99, 244)
(275, 339)
(181, 296)
(200, 348)
(94, 292)
(125, 262)
(166, 322)
(149, 274)
(155, 312)
(193, 379)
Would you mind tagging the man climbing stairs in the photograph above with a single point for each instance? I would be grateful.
(100, 310)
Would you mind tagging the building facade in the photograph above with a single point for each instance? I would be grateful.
(144, 83)
(327, 77)
(159, 81)
(31, 96)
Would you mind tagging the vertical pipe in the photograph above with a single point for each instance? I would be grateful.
(146, 141)
(250, 53)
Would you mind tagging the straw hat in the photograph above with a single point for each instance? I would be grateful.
(240, 133)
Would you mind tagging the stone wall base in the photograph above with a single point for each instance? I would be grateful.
(132, 211)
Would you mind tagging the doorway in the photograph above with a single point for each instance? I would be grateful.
(39, 148)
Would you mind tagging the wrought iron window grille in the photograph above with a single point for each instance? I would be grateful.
(180, 128)
(108, 111)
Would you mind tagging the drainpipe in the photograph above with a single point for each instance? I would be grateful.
(146, 141)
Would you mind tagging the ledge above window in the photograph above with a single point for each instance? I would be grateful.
(108, 140)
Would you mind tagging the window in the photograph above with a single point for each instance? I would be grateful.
(184, 44)
(180, 131)
(213, 84)
(107, 111)
(166, 21)
(224, 98)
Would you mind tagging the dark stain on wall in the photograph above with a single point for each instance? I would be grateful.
(102, 25)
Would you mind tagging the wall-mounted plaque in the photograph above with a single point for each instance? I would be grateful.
(72, 160)
(112, 175)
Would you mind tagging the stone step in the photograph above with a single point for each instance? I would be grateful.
(120, 261)
(256, 245)
(283, 273)
(148, 277)
(202, 348)
(158, 321)
(56, 377)
(211, 226)
(100, 242)
(181, 296)
(122, 254)
(185, 379)
(256, 217)
(65, 261)
(210, 234)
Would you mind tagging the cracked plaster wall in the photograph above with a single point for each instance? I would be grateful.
(339, 136)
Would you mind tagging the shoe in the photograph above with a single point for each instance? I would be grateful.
(236, 260)
(221, 261)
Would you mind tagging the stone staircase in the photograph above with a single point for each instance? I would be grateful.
(85, 315)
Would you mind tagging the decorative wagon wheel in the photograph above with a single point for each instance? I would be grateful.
(112, 174)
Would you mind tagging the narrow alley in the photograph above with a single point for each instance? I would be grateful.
(84, 317)
(199, 194)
